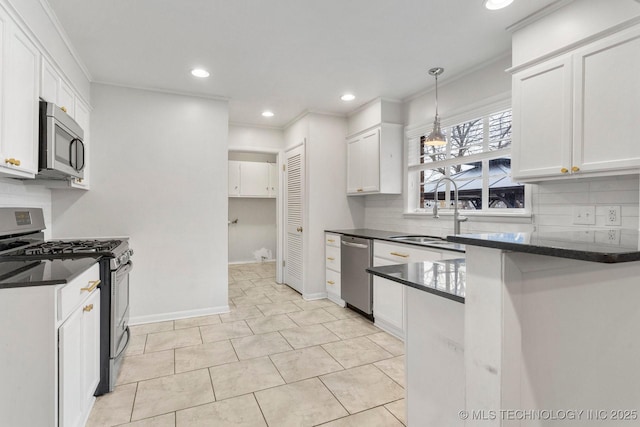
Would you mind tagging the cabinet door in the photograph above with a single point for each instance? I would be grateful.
(607, 89)
(388, 302)
(273, 179)
(67, 99)
(91, 347)
(79, 361)
(354, 166)
(83, 117)
(50, 83)
(20, 91)
(371, 161)
(234, 178)
(70, 373)
(254, 179)
(542, 120)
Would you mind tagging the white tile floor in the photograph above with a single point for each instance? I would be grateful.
(275, 360)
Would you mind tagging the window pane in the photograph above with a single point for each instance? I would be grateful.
(430, 153)
(428, 179)
(503, 192)
(466, 138)
(500, 130)
(468, 178)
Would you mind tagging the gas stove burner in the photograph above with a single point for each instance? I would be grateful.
(72, 247)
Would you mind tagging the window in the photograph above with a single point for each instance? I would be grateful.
(477, 158)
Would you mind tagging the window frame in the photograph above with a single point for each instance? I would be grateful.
(412, 173)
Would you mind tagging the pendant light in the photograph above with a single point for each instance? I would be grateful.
(436, 137)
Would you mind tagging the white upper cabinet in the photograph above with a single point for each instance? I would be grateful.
(234, 178)
(542, 120)
(607, 94)
(578, 113)
(19, 89)
(374, 161)
(253, 179)
(54, 89)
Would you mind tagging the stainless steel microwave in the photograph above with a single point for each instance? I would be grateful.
(61, 153)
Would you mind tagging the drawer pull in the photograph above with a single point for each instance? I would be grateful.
(331, 282)
(88, 307)
(399, 254)
(64, 109)
(330, 240)
(94, 284)
(564, 170)
(331, 259)
(359, 190)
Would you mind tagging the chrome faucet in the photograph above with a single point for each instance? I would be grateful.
(456, 216)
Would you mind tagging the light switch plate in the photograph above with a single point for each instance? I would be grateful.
(584, 215)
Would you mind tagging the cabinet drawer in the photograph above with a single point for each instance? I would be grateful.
(333, 282)
(404, 254)
(332, 240)
(333, 258)
(76, 291)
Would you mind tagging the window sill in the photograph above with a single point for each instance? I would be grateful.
(470, 214)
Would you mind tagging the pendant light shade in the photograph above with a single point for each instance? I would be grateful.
(436, 137)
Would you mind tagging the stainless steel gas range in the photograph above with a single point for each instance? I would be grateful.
(21, 238)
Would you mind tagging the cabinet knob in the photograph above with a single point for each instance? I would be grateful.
(12, 161)
(359, 190)
(64, 109)
(88, 307)
(575, 169)
(564, 170)
(299, 229)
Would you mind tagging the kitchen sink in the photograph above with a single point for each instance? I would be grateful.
(416, 239)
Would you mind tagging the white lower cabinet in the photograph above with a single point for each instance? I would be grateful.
(332, 268)
(79, 361)
(389, 296)
(50, 347)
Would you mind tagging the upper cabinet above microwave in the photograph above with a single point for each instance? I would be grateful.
(19, 90)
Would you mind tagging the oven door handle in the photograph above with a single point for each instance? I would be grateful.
(126, 344)
(125, 269)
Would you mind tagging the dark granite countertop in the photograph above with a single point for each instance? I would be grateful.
(443, 278)
(41, 272)
(606, 246)
(368, 233)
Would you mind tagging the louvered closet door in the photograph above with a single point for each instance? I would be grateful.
(294, 214)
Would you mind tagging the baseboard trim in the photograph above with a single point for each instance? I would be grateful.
(163, 317)
(315, 296)
(251, 262)
(388, 327)
(335, 298)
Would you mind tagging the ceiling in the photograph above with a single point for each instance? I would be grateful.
(287, 56)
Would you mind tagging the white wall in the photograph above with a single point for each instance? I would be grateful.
(256, 228)
(255, 138)
(14, 193)
(158, 175)
(326, 204)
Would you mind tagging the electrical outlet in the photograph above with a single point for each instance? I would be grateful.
(612, 215)
(584, 215)
(608, 237)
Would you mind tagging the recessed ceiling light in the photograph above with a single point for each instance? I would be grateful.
(267, 114)
(199, 72)
(496, 4)
(348, 97)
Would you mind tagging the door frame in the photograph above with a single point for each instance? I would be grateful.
(279, 201)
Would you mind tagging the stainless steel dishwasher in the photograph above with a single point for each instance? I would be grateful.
(356, 283)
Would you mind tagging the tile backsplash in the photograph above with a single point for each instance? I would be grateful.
(15, 193)
(552, 209)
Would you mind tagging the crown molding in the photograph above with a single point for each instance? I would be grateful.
(160, 90)
(539, 14)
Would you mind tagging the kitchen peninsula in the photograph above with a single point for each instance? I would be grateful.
(551, 323)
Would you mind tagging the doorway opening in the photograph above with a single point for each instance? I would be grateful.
(254, 210)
